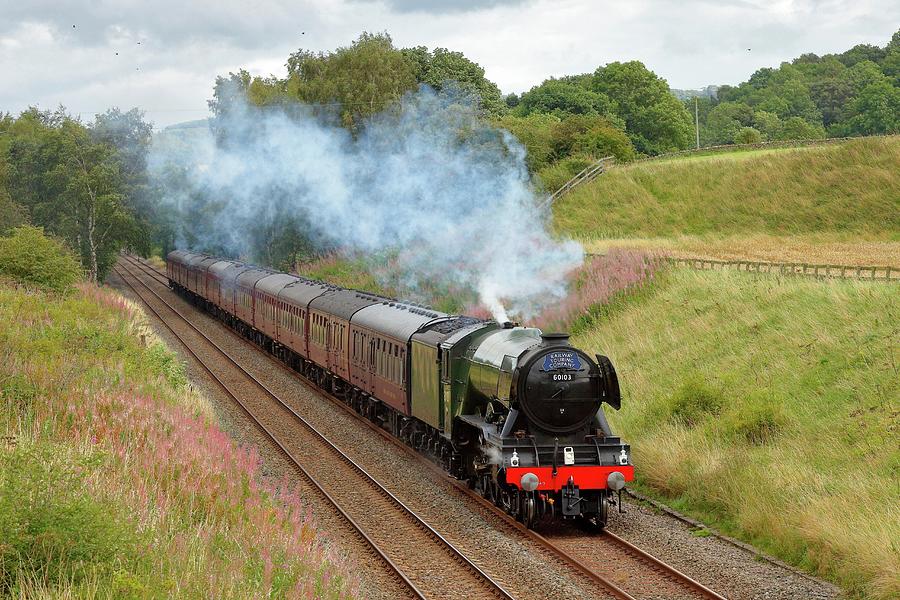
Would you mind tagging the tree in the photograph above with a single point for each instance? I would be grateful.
(442, 67)
(592, 136)
(130, 135)
(71, 184)
(558, 97)
(861, 52)
(890, 66)
(725, 121)
(862, 75)
(796, 128)
(655, 120)
(875, 111)
(11, 214)
(830, 96)
(535, 133)
(357, 81)
(768, 124)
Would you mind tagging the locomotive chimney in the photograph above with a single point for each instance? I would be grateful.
(555, 338)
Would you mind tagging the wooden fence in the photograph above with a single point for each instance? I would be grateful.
(872, 273)
(589, 173)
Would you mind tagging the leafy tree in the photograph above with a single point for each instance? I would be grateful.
(591, 136)
(442, 66)
(72, 185)
(862, 75)
(229, 90)
(359, 80)
(875, 111)
(768, 124)
(12, 214)
(890, 66)
(560, 97)
(747, 135)
(130, 135)
(725, 121)
(830, 96)
(535, 133)
(797, 128)
(861, 52)
(655, 120)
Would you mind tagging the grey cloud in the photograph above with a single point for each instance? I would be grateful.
(446, 6)
(167, 22)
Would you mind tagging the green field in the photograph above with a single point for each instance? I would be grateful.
(768, 407)
(846, 188)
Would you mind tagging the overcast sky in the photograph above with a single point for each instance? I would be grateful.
(163, 56)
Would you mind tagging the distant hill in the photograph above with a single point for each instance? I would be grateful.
(195, 124)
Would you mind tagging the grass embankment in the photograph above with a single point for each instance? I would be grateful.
(843, 196)
(114, 480)
(769, 407)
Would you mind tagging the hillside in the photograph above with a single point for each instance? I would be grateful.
(115, 480)
(849, 189)
(768, 406)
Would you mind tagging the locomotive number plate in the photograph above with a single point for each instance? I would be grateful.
(561, 377)
(555, 361)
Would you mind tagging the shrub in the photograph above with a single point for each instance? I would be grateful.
(694, 400)
(758, 420)
(31, 258)
(747, 135)
(50, 524)
(557, 174)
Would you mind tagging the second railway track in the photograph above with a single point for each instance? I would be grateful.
(623, 570)
(429, 565)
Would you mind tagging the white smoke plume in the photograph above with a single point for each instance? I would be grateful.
(428, 180)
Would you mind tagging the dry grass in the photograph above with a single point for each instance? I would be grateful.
(770, 407)
(819, 249)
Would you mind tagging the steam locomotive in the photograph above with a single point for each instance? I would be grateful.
(513, 411)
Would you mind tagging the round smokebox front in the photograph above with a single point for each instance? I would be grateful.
(561, 389)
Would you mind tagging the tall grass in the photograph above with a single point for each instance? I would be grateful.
(113, 483)
(769, 406)
(601, 281)
(849, 187)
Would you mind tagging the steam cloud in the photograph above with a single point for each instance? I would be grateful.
(427, 180)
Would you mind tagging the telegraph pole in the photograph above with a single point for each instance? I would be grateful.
(697, 120)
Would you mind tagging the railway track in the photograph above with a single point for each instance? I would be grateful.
(611, 562)
(420, 557)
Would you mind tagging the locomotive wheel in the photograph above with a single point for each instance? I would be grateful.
(603, 515)
(527, 510)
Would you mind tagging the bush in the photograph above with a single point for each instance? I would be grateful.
(557, 174)
(30, 257)
(747, 135)
(758, 420)
(694, 400)
(54, 533)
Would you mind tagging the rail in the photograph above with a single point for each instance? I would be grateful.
(496, 589)
(461, 488)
